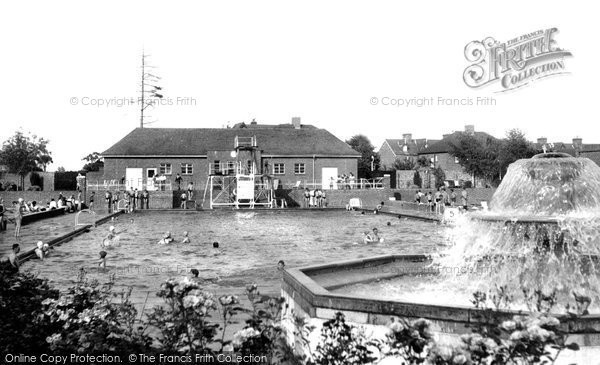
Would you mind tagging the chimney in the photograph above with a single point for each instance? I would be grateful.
(542, 140)
(577, 143)
(407, 138)
(296, 122)
(470, 129)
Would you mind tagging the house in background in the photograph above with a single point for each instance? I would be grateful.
(576, 148)
(406, 148)
(286, 152)
(439, 155)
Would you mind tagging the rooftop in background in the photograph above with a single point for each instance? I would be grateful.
(576, 145)
(282, 139)
(407, 146)
(443, 146)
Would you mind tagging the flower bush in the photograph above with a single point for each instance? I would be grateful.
(93, 318)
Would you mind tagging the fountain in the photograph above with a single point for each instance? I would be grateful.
(541, 237)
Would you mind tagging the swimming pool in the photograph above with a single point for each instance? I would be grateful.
(251, 243)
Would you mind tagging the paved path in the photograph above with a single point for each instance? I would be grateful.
(43, 230)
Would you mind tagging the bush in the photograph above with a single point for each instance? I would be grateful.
(417, 179)
(36, 180)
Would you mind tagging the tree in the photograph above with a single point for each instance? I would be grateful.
(23, 154)
(362, 144)
(477, 157)
(422, 161)
(439, 176)
(94, 162)
(60, 169)
(515, 147)
(403, 164)
(417, 179)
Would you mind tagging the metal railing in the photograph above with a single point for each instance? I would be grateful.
(140, 184)
(376, 183)
(228, 168)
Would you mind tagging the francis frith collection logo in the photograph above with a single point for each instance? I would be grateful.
(514, 63)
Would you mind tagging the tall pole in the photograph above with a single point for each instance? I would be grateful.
(142, 104)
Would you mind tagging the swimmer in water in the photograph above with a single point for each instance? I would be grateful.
(280, 265)
(167, 238)
(195, 273)
(46, 249)
(215, 244)
(186, 239)
(39, 251)
(112, 238)
(366, 237)
(375, 236)
(102, 261)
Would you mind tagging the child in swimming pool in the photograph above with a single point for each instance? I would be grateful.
(166, 239)
(102, 261)
(186, 239)
(39, 251)
(366, 237)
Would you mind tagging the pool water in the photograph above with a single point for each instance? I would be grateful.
(250, 245)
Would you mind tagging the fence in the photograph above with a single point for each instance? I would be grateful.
(152, 185)
(375, 183)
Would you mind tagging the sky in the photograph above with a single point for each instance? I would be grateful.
(334, 64)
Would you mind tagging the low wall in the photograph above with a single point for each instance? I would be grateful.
(475, 195)
(307, 293)
(338, 198)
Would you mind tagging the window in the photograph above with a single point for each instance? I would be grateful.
(456, 160)
(217, 166)
(187, 169)
(278, 168)
(230, 167)
(249, 166)
(165, 169)
(299, 169)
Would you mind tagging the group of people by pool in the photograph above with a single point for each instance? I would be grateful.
(315, 198)
(442, 198)
(132, 200)
(22, 207)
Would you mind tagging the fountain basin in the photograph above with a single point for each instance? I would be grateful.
(308, 291)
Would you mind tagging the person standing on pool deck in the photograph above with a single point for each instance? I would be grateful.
(464, 199)
(109, 203)
(19, 208)
(190, 190)
(178, 181)
(145, 198)
(92, 196)
(306, 198)
(137, 196)
(183, 201)
(115, 200)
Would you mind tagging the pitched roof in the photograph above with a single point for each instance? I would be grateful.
(414, 145)
(277, 140)
(443, 146)
(568, 147)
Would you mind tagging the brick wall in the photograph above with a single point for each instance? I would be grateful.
(405, 178)
(475, 195)
(114, 168)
